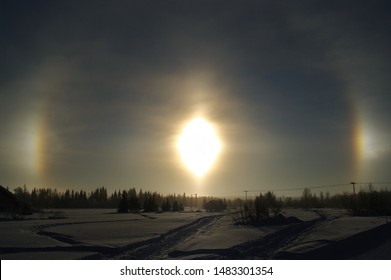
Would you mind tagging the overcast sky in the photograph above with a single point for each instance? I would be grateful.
(95, 93)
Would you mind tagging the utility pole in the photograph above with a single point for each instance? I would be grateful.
(354, 188)
(355, 197)
(196, 201)
(246, 196)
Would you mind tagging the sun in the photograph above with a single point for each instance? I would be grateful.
(199, 146)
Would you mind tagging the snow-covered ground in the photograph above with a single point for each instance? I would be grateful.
(101, 227)
(336, 226)
(106, 234)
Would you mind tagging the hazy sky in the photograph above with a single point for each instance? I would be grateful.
(95, 93)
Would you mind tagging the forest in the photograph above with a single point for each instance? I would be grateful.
(129, 200)
(366, 202)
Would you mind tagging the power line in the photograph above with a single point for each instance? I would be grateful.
(320, 187)
(299, 189)
(262, 189)
(374, 183)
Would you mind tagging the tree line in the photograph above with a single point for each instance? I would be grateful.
(129, 200)
(364, 202)
(266, 208)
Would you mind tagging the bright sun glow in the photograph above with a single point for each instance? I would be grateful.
(199, 146)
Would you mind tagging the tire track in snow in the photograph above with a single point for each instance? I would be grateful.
(263, 248)
(160, 247)
(38, 228)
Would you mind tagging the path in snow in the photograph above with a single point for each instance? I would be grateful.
(264, 247)
(160, 247)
